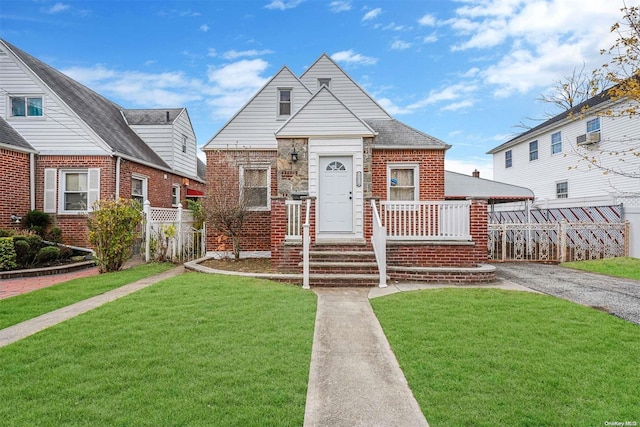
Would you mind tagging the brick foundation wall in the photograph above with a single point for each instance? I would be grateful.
(15, 185)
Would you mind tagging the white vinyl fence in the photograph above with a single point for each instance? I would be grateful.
(170, 235)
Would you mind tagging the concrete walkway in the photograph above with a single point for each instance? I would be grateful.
(355, 379)
(37, 324)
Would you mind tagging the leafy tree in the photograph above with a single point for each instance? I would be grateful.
(113, 231)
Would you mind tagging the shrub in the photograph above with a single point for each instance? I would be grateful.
(55, 235)
(24, 255)
(112, 231)
(7, 254)
(5, 233)
(38, 222)
(47, 254)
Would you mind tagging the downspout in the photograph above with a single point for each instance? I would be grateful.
(32, 179)
(117, 193)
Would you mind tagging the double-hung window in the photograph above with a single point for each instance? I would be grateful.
(508, 159)
(26, 106)
(175, 195)
(402, 182)
(139, 188)
(593, 125)
(284, 102)
(255, 182)
(562, 190)
(71, 191)
(556, 142)
(533, 150)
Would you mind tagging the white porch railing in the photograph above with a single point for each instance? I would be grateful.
(427, 220)
(294, 219)
(379, 242)
(306, 243)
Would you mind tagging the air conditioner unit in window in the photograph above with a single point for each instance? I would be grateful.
(593, 137)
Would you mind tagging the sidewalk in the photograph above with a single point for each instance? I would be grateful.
(355, 379)
(37, 324)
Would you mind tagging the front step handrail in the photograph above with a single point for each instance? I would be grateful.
(379, 242)
(306, 243)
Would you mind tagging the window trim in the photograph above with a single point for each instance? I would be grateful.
(533, 154)
(25, 98)
(175, 195)
(564, 195)
(416, 179)
(184, 143)
(92, 191)
(255, 166)
(556, 144)
(594, 120)
(508, 159)
(279, 102)
(145, 186)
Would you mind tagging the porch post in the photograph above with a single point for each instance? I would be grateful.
(147, 230)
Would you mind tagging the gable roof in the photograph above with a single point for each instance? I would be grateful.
(311, 119)
(460, 186)
(355, 91)
(165, 116)
(11, 138)
(104, 117)
(590, 104)
(394, 134)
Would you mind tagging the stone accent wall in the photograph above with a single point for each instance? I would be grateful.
(293, 177)
(15, 179)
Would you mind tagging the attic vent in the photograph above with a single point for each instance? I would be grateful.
(167, 116)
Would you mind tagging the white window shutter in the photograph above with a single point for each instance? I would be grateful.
(94, 187)
(50, 190)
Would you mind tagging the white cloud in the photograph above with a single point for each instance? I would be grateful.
(400, 45)
(372, 14)
(391, 108)
(431, 38)
(352, 58)
(455, 106)
(283, 5)
(234, 54)
(339, 6)
(453, 92)
(212, 53)
(484, 165)
(427, 20)
(204, 28)
(57, 8)
(238, 75)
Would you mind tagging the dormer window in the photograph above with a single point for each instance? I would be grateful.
(26, 106)
(324, 82)
(284, 102)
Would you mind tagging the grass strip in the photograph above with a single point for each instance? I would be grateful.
(32, 304)
(196, 350)
(625, 267)
(487, 357)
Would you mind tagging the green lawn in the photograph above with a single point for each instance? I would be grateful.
(618, 267)
(486, 357)
(196, 350)
(27, 306)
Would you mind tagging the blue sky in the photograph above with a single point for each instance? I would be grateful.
(465, 71)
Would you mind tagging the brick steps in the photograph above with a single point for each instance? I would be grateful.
(328, 267)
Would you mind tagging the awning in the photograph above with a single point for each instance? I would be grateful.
(194, 193)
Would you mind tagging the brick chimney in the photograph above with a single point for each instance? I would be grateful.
(475, 173)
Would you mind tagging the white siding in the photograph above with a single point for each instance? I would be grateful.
(344, 88)
(59, 130)
(324, 115)
(185, 163)
(542, 174)
(255, 124)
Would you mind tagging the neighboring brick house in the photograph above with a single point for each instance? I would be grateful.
(81, 147)
(321, 139)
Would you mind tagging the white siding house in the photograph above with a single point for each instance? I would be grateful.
(582, 157)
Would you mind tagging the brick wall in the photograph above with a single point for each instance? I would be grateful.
(431, 171)
(15, 185)
(223, 175)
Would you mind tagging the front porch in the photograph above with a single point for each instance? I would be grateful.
(425, 241)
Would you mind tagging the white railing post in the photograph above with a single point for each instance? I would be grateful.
(179, 249)
(146, 209)
(379, 242)
(306, 243)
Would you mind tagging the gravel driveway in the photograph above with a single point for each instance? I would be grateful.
(620, 297)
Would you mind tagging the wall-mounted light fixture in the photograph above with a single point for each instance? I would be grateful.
(15, 218)
(294, 155)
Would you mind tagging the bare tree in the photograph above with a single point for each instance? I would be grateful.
(570, 91)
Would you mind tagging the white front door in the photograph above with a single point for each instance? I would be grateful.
(335, 201)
